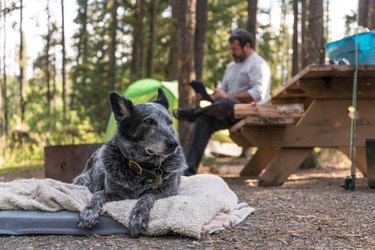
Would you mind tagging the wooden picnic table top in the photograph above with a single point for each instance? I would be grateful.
(328, 82)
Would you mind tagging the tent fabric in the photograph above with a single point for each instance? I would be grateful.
(145, 90)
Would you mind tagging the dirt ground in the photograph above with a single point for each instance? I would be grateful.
(310, 211)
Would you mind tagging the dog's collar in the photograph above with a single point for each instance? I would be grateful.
(156, 173)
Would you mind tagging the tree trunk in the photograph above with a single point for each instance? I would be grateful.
(173, 63)
(363, 12)
(186, 29)
(141, 39)
(200, 33)
(63, 59)
(284, 42)
(53, 66)
(22, 102)
(112, 48)
(2, 106)
(252, 7)
(314, 38)
(136, 67)
(325, 27)
(151, 40)
(304, 13)
(4, 89)
(366, 16)
(47, 69)
(82, 51)
(295, 63)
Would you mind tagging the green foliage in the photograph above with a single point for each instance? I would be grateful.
(87, 80)
(350, 21)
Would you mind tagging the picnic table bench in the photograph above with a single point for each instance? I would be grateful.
(284, 142)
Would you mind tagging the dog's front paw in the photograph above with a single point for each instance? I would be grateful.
(88, 218)
(137, 225)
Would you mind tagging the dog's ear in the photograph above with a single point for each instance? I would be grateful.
(162, 98)
(121, 107)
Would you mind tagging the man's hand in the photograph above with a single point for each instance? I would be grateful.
(220, 94)
(198, 97)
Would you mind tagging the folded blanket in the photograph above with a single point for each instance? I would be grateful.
(204, 204)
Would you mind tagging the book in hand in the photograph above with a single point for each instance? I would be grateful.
(201, 89)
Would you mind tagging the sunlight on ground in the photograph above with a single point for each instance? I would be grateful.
(331, 164)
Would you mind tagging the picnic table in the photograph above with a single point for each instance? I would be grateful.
(325, 91)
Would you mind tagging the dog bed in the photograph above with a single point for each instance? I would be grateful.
(204, 205)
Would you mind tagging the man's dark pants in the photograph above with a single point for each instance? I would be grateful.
(208, 120)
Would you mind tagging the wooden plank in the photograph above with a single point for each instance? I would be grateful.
(305, 136)
(259, 121)
(65, 162)
(361, 162)
(259, 161)
(333, 71)
(327, 112)
(366, 109)
(239, 139)
(285, 162)
(337, 88)
(295, 110)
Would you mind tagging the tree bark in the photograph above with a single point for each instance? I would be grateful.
(112, 48)
(304, 13)
(366, 10)
(314, 38)
(173, 63)
(200, 33)
(63, 59)
(186, 72)
(47, 69)
(82, 51)
(295, 63)
(136, 67)
(4, 89)
(141, 40)
(252, 7)
(363, 12)
(2, 98)
(152, 37)
(22, 101)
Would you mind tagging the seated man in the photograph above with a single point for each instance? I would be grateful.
(246, 80)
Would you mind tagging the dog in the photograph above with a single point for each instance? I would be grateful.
(143, 161)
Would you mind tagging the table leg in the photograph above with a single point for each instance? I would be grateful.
(259, 161)
(285, 162)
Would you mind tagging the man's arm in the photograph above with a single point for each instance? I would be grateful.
(242, 96)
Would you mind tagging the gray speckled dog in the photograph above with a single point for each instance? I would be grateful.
(142, 161)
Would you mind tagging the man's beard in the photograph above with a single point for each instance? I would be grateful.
(239, 58)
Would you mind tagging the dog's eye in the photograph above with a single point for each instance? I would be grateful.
(169, 122)
(149, 121)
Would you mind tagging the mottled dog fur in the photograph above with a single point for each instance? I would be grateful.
(145, 134)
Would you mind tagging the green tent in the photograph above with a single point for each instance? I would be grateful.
(145, 90)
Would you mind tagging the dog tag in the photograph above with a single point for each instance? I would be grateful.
(157, 180)
(158, 173)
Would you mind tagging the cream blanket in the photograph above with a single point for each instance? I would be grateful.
(204, 204)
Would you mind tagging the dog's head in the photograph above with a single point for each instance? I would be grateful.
(145, 127)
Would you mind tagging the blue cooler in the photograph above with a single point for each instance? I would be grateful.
(345, 48)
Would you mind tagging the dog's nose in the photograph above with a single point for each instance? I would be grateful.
(171, 144)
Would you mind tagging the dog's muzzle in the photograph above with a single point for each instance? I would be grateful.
(170, 147)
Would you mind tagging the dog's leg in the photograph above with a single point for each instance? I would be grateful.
(89, 216)
(140, 214)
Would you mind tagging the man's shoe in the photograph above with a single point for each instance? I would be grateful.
(187, 114)
(190, 172)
